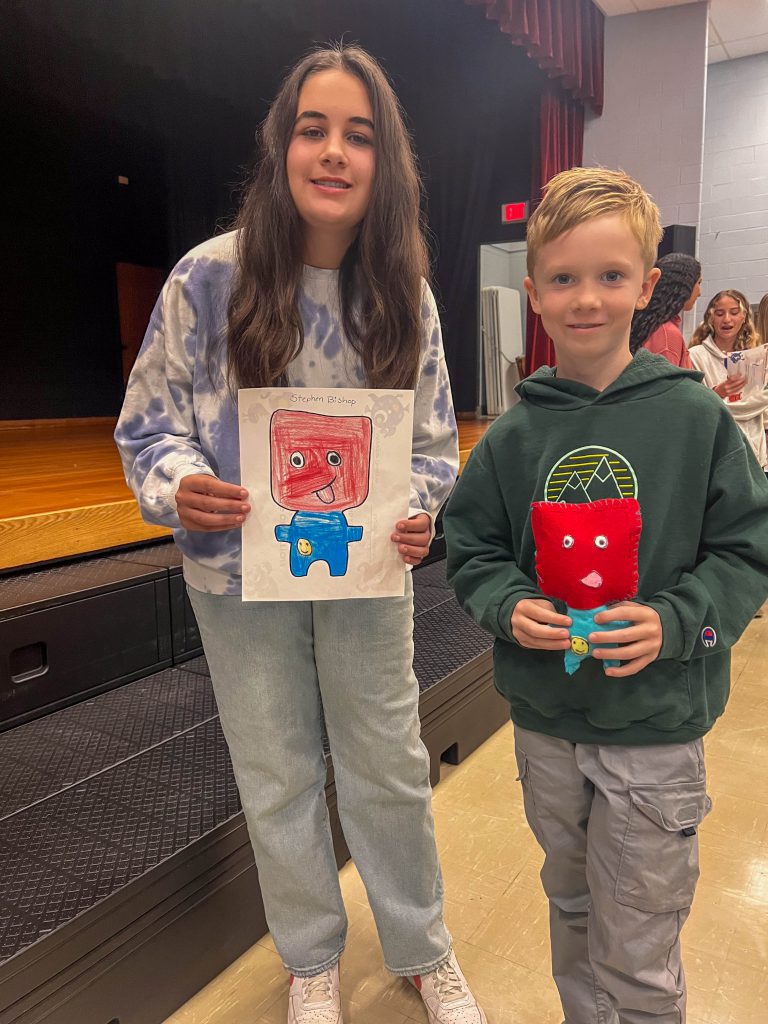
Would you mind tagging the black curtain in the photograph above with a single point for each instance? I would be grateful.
(480, 144)
(471, 101)
(169, 93)
(77, 114)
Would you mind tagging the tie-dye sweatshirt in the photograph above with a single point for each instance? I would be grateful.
(178, 417)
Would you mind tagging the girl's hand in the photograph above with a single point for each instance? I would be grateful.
(206, 503)
(639, 643)
(532, 622)
(730, 386)
(413, 537)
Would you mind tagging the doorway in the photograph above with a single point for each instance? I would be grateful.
(501, 323)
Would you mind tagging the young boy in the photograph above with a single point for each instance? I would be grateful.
(611, 758)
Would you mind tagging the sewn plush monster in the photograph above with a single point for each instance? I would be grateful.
(586, 556)
(319, 469)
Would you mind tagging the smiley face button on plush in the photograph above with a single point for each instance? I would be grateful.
(586, 556)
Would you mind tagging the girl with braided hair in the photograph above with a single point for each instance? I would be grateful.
(657, 326)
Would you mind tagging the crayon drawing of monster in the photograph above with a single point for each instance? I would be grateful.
(586, 556)
(320, 468)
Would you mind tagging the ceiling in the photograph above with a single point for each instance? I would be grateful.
(737, 28)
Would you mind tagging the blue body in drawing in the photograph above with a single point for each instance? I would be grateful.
(319, 537)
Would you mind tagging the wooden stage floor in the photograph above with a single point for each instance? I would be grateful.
(62, 491)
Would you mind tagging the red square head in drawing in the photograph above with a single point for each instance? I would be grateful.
(319, 463)
(586, 555)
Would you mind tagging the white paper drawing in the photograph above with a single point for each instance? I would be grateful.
(750, 363)
(328, 476)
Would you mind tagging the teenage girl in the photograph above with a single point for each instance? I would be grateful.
(727, 327)
(657, 326)
(321, 284)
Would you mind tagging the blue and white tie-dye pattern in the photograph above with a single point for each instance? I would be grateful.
(178, 417)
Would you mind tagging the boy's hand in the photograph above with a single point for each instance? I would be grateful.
(639, 644)
(413, 537)
(532, 622)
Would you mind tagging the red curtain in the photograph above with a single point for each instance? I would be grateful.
(560, 146)
(565, 39)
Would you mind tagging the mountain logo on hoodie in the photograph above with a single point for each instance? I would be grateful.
(591, 473)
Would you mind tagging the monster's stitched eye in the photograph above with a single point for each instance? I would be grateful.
(568, 541)
(297, 460)
(601, 541)
(333, 459)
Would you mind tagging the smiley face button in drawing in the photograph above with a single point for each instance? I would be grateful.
(579, 645)
(304, 547)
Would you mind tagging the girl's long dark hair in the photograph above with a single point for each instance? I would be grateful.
(679, 274)
(381, 276)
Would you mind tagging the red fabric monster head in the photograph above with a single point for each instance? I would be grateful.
(319, 463)
(586, 555)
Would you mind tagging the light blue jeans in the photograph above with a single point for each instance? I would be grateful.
(271, 663)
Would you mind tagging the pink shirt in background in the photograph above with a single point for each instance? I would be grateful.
(669, 342)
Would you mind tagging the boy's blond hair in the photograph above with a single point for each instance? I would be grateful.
(583, 193)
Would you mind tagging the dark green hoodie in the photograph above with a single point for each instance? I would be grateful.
(655, 434)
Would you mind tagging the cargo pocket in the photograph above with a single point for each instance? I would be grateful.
(659, 863)
(529, 803)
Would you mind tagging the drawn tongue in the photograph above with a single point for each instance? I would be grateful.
(593, 580)
(326, 495)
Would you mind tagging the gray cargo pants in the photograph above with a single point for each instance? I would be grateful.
(618, 828)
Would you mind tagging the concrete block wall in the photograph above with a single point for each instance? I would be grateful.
(734, 212)
(653, 122)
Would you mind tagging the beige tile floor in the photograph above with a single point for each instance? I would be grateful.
(497, 913)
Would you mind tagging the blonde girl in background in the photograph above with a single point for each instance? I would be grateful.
(728, 327)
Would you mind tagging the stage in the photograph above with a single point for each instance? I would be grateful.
(63, 493)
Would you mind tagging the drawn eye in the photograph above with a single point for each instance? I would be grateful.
(601, 541)
(333, 459)
(297, 460)
(568, 541)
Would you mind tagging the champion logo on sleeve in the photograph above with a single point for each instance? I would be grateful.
(708, 636)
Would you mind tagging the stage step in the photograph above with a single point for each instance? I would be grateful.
(81, 628)
(128, 880)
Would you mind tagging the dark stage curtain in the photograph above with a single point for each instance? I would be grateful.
(565, 39)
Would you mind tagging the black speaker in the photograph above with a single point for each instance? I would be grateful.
(678, 238)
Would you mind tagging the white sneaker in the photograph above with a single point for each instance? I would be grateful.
(447, 997)
(315, 1000)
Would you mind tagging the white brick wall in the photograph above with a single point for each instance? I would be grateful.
(653, 122)
(734, 212)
